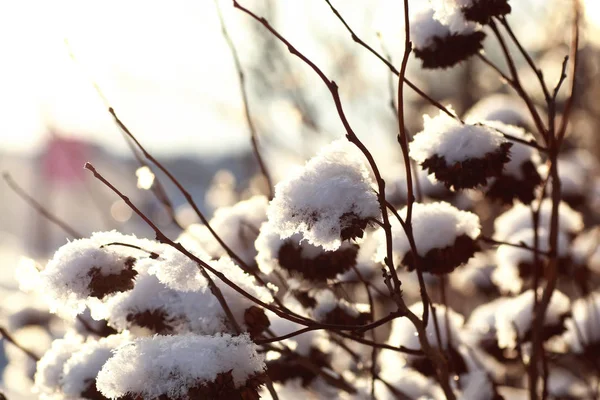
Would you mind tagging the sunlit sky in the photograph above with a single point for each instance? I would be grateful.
(163, 65)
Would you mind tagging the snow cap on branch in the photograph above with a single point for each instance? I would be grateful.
(514, 320)
(442, 37)
(444, 235)
(84, 269)
(183, 366)
(519, 217)
(297, 258)
(329, 200)
(463, 156)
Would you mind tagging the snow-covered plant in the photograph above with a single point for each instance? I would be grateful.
(184, 367)
(514, 319)
(298, 285)
(462, 156)
(445, 238)
(329, 200)
(443, 37)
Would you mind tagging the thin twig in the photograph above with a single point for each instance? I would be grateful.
(4, 333)
(538, 72)
(244, 93)
(390, 65)
(161, 238)
(520, 245)
(39, 208)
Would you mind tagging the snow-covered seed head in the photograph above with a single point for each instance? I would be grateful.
(69, 369)
(583, 329)
(404, 334)
(516, 266)
(519, 218)
(332, 310)
(442, 37)
(482, 11)
(329, 200)
(519, 178)
(481, 330)
(297, 258)
(515, 319)
(86, 268)
(462, 156)
(184, 367)
(445, 238)
(237, 226)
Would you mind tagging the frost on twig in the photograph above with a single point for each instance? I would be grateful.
(329, 200)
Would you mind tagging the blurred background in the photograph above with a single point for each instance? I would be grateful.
(167, 70)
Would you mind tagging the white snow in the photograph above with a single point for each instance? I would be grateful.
(237, 226)
(47, 380)
(435, 226)
(313, 199)
(519, 153)
(441, 20)
(83, 366)
(65, 279)
(506, 275)
(446, 137)
(583, 328)
(514, 320)
(175, 364)
(519, 217)
(197, 311)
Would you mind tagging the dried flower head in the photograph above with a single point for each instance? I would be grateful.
(329, 200)
(445, 238)
(519, 178)
(297, 258)
(84, 269)
(442, 37)
(482, 11)
(463, 156)
(184, 367)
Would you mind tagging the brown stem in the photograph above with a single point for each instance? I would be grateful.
(538, 72)
(194, 206)
(390, 65)
(350, 135)
(244, 93)
(518, 245)
(39, 208)
(214, 289)
(575, 57)
(516, 83)
(4, 333)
